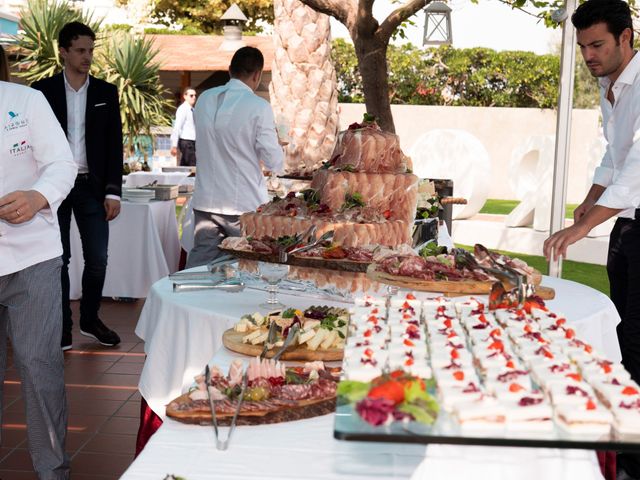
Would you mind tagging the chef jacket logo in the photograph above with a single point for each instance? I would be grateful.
(19, 148)
(15, 122)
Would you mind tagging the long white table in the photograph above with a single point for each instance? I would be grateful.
(306, 449)
(143, 248)
(181, 331)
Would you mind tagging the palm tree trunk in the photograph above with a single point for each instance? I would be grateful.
(303, 87)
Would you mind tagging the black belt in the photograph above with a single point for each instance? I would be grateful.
(83, 176)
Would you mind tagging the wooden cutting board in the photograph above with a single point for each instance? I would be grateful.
(450, 288)
(313, 262)
(233, 341)
(305, 409)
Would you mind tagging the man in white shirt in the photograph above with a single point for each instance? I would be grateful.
(88, 110)
(236, 136)
(183, 136)
(605, 36)
(36, 174)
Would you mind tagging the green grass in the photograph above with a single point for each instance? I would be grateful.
(594, 276)
(505, 207)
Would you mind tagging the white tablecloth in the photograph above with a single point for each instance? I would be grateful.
(182, 330)
(139, 179)
(306, 449)
(143, 248)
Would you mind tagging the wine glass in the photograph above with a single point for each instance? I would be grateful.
(272, 273)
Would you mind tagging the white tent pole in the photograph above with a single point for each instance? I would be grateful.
(563, 126)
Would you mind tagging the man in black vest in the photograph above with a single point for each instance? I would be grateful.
(89, 112)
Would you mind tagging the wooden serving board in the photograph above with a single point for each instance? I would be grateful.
(233, 341)
(450, 288)
(202, 416)
(313, 262)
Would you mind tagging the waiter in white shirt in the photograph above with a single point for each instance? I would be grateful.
(37, 172)
(183, 136)
(605, 36)
(236, 137)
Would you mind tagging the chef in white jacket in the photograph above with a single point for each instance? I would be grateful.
(235, 137)
(36, 173)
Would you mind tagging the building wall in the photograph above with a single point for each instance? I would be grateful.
(501, 131)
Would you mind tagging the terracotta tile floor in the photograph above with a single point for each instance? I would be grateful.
(102, 398)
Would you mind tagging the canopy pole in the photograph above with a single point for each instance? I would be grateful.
(563, 126)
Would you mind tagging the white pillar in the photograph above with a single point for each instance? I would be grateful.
(563, 127)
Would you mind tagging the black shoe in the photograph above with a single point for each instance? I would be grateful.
(66, 341)
(100, 332)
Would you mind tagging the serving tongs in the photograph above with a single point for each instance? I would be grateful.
(224, 444)
(213, 267)
(232, 285)
(325, 237)
(523, 288)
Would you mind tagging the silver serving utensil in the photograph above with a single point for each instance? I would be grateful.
(327, 236)
(230, 286)
(293, 332)
(523, 289)
(271, 339)
(224, 444)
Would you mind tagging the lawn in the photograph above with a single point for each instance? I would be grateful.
(589, 274)
(505, 207)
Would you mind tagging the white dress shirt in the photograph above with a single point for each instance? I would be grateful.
(34, 155)
(76, 120)
(619, 170)
(183, 128)
(236, 132)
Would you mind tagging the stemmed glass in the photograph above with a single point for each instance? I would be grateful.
(272, 273)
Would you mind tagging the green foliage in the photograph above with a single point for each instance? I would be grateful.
(129, 63)
(465, 77)
(190, 30)
(41, 22)
(205, 15)
(120, 58)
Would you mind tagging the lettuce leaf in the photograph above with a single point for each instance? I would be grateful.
(352, 390)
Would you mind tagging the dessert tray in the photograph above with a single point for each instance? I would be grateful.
(438, 371)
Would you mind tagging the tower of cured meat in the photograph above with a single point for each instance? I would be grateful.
(366, 194)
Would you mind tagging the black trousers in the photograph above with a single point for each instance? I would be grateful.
(187, 152)
(623, 268)
(91, 219)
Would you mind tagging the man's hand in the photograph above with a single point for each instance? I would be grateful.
(558, 243)
(581, 209)
(112, 207)
(174, 151)
(21, 206)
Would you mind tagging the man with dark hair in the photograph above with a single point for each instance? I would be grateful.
(89, 112)
(605, 36)
(236, 137)
(183, 136)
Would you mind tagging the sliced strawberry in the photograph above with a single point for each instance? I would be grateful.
(408, 362)
(515, 387)
(527, 328)
(569, 333)
(368, 352)
(591, 405)
(458, 375)
(497, 345)
(408, 342)
(452, 334)
(447, 323)
(629, 391)
(561, 321)
(510, 364)
(574, 376)
(410, 296)
(367, 333)
(454, 353)
(391, 390)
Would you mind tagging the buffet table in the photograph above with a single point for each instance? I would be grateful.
(140, 179)
(182, 330)
(143, 248)
(307, 449)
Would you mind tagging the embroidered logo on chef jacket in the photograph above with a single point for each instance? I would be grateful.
(15, 122)
(20, 148)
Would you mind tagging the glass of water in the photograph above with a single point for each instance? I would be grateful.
(272, 273)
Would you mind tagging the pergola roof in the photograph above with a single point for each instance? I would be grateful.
(202, 52)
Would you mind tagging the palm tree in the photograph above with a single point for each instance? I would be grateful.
(129, 63)
(120, 58)
(303, 88)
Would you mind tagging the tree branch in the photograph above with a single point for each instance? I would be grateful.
(343, 11)
(399, 15)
